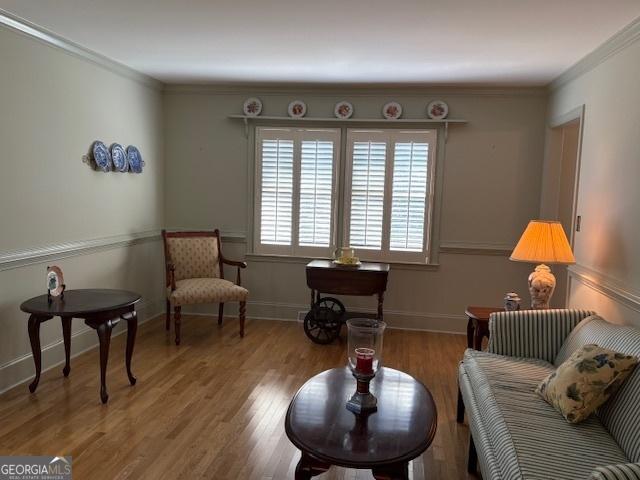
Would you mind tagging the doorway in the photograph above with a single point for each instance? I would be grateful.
(560, 187)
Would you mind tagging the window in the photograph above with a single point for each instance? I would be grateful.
(386, 208)
(388, 193)
(296, 179)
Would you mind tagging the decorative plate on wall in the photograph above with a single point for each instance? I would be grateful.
(392, 111)
(252, 107)
(297, 109)
(135, 159)
(343, 110)
(101, 156)
(119, 158)
(55, 281)
(437, 110)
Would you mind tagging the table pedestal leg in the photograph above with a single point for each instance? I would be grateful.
(460, 408)
(34, 336)
(309, 467)
(132, 328)
(478, 334)
(66, 334)
(398, 471)
(104, 335)
(470, 333)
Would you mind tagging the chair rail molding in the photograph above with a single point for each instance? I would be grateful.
(606, 285)
(475, 248)
(30, 256)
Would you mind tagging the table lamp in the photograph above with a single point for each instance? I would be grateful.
(543, 241)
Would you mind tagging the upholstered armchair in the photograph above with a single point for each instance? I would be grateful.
(195, 274)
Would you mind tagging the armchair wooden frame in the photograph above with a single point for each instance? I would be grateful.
(171, 282)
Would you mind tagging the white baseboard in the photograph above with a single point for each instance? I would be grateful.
(21, 369)
(398, 319)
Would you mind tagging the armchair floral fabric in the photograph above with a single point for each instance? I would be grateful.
(194, 257)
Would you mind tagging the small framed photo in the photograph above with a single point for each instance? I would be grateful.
(55, 281)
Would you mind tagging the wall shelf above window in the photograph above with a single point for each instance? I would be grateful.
(347, 121)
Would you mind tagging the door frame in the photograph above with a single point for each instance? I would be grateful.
(573, 115)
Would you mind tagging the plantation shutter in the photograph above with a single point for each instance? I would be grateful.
(296, 191)
(389, 194)
(367, 194)
(276, 191)
(409, 196)
(316, 192)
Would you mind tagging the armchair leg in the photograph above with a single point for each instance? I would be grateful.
(220, 313)
(177, 320)
(472, 465)
(243, 306)
(167, 323)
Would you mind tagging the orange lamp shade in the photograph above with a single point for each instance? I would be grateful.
(543, 241)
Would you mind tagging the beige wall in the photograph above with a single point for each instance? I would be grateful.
(491, 173)
(607, 276)
(54, 104)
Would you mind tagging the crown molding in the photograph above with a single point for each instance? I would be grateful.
(31, 256)
(618, 42)
(24, 27)
(397, 91)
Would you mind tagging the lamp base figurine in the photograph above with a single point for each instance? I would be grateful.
(542, 283)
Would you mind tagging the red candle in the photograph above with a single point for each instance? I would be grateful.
(364, 360)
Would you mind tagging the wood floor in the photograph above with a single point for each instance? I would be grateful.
(213, 407)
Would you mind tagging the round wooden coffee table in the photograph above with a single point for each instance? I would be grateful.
(101, 309)
(319, 424)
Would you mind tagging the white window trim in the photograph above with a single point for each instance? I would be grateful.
(390, 136)
(297, 134)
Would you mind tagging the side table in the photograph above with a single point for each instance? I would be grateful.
(478, 324)
(477, 329)
(101, 309)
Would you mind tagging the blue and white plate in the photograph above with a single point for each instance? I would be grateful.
(101, 156)
(135, 159)
(119, 158)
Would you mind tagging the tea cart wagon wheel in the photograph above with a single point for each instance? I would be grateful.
(323, 322)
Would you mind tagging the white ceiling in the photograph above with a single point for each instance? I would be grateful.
(497, 42)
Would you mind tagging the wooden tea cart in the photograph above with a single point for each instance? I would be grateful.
(323, 322)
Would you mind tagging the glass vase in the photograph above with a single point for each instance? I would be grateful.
(364, 353)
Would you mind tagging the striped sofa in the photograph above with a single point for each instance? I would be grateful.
(517, 435)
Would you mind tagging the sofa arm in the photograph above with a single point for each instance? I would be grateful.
(532, 333)
(626, 471)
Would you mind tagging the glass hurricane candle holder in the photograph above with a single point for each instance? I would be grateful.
(364, 350)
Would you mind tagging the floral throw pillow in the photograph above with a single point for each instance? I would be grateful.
(585, 381)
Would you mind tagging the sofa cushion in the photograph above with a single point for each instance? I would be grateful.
(621, 413)
(585, 381)
(531, 439)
